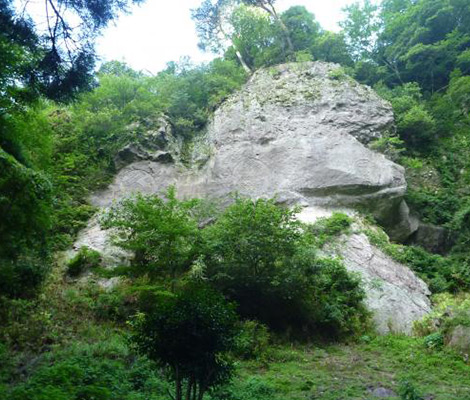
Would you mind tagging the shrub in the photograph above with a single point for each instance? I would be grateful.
(258, 255)
(434, 341)
(448, 311)
(84, 260)
(252, 340)
(324, 229)
(390, 145)
(117, 305)
(162, 234)
(417, 127)
(332, 298)
(104, 370)
(22, 277)
(408, 391)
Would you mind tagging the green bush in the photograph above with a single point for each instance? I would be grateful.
(162, 233)
(258, 255)
(104, 370)
(434, 341)
(390, 145)
(448, 311)
(252, 340)
(416, 126)
(22, 277)
(253, 388)
(118, 305)
(84, 260)
(408, 391)
(324, 229)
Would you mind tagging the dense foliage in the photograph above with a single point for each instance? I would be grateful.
(161, 233)
(190, 334)
(256, 253)
(61, 127)
(259, 256)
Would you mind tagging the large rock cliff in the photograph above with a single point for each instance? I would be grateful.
(298, 132)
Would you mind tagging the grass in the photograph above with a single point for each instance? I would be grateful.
(339, 371)
(74, 343)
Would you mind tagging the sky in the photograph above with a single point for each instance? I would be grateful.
(160, 31)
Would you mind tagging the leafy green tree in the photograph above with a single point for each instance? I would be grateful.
(56, 63)
(213, 29)
(268, 6)
(25, 199)
(161, 233)
(258, 255)
(422, 41)
(360, 28)
(304, 30)
(257, 37)
(189, 334)
(415, 124)
(458, 94)
(331, 47)
(59, 61)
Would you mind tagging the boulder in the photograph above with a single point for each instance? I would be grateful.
(100, 240)
(434, 239)
(297, 132)
(382, 392)
(394, 294)
(459, 339)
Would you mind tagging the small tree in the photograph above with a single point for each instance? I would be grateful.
(189, 334)
(161, 232)
(259, 255)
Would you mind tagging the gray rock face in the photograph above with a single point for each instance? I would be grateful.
(459, 339)
(395, 295)
(298, 132)
(152, 146)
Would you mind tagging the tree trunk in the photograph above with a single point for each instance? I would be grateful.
(237, 52)
(178, 384)
(272, 11)
(189, 389)
(201, 393)
(242, 61)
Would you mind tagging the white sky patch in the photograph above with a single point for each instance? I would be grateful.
(160, 31)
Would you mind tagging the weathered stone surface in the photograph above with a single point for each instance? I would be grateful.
(97, 239)
(394, 294)
(153, 146)
(459, 339)
(298, 132)
(134, 152)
